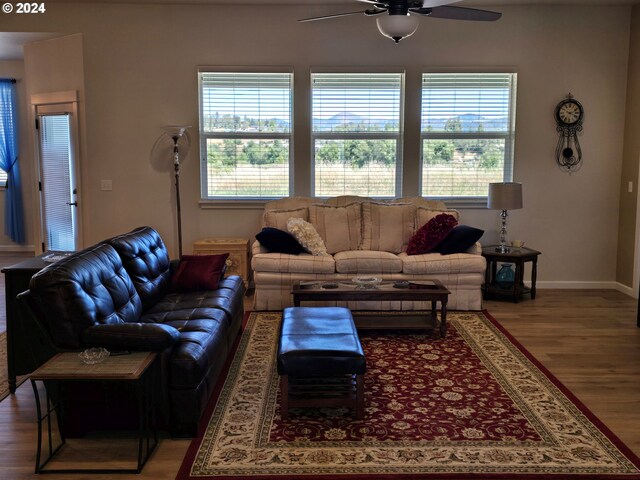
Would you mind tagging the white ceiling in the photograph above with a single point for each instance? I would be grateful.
(11, 43)
(351, 2)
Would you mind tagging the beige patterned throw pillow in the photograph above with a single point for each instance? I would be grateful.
(339, 227)
(387, 227)
(307, 236)
(426, 214)
(278, 218)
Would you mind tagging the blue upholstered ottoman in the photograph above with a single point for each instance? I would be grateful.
(320, 360)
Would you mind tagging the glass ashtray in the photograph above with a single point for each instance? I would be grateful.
(91, 356)
(366, 282)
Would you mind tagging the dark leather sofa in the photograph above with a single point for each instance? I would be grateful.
(116, 294)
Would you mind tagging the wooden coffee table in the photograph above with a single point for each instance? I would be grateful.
(424, 291)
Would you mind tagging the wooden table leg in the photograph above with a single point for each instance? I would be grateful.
(284, 396)
(517, 281)
(360, 397)
(443, 318)
(534, 272)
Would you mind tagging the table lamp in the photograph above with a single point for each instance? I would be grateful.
(504, 196)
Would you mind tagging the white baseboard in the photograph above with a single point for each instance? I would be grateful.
(17, 248)
(577, 285)
(626, 290)
(587, 286)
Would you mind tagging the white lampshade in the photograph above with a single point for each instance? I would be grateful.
(505, 196)
(397, 27)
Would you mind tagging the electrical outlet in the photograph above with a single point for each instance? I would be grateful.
(106, 185)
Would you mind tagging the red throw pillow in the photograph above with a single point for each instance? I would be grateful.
(199, 272)
(431, 234)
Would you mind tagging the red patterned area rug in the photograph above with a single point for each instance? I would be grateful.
(474, 405)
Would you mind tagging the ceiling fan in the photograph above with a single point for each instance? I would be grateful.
(401, 19)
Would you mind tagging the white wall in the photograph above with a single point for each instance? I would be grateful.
(140, 64)
(53, 66)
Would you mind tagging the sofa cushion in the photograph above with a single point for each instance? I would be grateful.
(146, 259)
(423, 215)
(283, 263)
(344, 200)
(339, 227)
(220, 304)
(279, 241)
(88, 288)
(278, 218)
(459, 240)
(387, 227)
(421, 202)
(199, 272)
(307, 236)
(434, 263)
(367, 261)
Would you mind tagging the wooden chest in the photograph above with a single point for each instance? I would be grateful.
(237, 248)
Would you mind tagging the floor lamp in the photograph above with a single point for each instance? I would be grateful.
(176, 132)
(504, 196)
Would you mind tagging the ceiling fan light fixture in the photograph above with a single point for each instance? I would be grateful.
(397, 27)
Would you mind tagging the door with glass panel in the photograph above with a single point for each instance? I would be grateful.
(57, 185)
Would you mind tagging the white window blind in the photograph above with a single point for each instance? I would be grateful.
(245, 130)
(467, 130)
(55, 154)
(356, 128)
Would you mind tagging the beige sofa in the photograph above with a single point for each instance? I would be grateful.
(363, 236)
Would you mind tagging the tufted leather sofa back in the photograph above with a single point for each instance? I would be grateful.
(146, 259)
(88, 288)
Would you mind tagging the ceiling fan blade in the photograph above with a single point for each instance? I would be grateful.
(463, 13)
(437, 3)
(379, 4)
(335, 15)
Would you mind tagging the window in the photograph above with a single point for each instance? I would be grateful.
(467, 133)
(356, 128)
(245, 134)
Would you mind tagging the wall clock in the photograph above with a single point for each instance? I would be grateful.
(569, 115)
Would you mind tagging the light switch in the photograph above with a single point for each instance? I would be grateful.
(106, 185)
(630, 187)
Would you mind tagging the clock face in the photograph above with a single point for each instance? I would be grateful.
(569, 112)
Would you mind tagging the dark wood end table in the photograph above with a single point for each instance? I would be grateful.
(19, 358)
(135, 368)
(517, 256)
(428, 290)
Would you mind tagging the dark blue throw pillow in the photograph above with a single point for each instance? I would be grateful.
(459, 240)
(279, 241)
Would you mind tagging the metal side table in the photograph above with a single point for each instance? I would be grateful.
(134, 368)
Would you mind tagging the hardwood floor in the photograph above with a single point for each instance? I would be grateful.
(586, 338)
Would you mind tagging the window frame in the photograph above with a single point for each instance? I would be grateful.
(207, 201)
(398, 136)
(508, 136)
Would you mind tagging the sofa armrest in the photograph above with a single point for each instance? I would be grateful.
(475, 249)
(153, 337)
(257, 248)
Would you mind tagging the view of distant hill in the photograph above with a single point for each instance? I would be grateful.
(469, 122)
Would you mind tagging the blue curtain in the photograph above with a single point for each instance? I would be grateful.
(13, 213)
